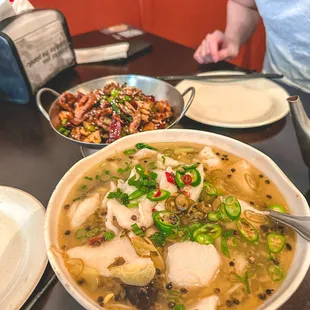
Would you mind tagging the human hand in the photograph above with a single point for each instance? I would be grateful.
(216, 47)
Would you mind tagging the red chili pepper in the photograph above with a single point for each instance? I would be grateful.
(93, 240)
(170, 178)
(115, 129)
(152, 98)
(158, 193)
(187, 179)
(186, 194)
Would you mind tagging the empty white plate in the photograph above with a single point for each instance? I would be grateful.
(22, 250)
(236, 103)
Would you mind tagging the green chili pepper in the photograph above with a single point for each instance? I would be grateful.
(224, 247)
(138, 193)
(232, 208)
(127, 98)
(137, 230)
(158, 195)
(275, 242)
(190, 167)
(166, 221)
(277, 208)
(179, 307)
(81, 233)
(213, 216)
(114, 92)
(93, 233)
(90, 127)
(115, 108)
(64, 121)
(178, 178)
(204, 239)
(223, 215)
(62, 129)
(232, 242)
(196, 177)
(276, 273)
(213, 230)
(247, 230)
(130, 152)
(108, 235)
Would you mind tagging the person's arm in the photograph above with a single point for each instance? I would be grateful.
(242, 18)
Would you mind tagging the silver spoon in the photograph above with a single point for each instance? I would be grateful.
(301, 224)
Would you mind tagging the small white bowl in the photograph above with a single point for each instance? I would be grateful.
(294, 198)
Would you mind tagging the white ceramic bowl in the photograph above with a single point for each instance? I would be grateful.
(294, 198)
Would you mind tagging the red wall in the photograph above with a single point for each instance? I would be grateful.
(183, 21)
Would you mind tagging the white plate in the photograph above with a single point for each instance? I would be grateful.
(236, 103)
(22, 250)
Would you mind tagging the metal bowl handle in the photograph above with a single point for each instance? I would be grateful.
(187, 105)
(39, 104)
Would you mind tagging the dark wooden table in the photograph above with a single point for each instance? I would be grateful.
(34, 158)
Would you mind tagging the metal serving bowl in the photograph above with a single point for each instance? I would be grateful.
(149, 86)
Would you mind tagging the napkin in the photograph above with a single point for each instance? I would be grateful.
(102, 53)
(8, 9)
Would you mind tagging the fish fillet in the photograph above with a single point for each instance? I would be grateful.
(197, 268)
(84, 210)
(102, 256)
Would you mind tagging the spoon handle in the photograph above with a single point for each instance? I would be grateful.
(299, 223)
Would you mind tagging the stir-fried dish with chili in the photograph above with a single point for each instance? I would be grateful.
(105, 115)
(174, 226)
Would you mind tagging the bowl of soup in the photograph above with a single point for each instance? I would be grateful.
(169, 220)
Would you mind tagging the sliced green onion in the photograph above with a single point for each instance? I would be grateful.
(140, 169)
(138, 193)
(64, 121)
(76, 198)
(130, 152)
(132, 205)
(88, 178)
(235, 278)
(158, 239)
(137, 230)
(141, 146)
(247, 283)
(224, 247)
(181, 150)
(179, 307)
(108, 235)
